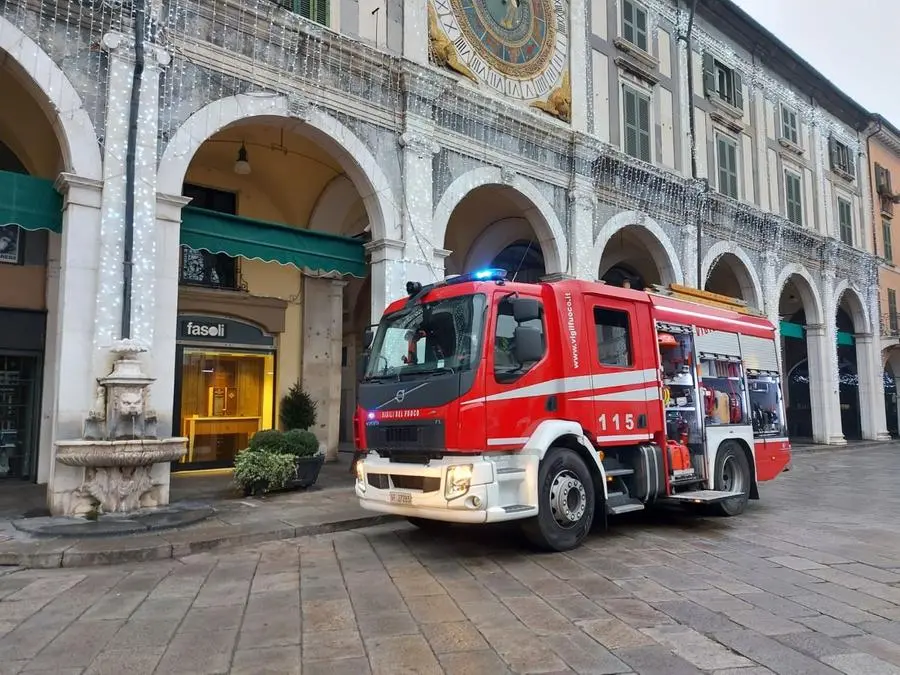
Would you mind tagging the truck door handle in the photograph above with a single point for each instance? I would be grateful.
(551, 404)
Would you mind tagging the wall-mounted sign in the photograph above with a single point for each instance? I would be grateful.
(221, 330)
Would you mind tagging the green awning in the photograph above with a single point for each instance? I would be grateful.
(29, 202)
(796, 331)
(313, 252)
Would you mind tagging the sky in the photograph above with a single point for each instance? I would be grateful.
(854, 44)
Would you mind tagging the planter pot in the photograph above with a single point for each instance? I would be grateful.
(256, 488)
(306, 471)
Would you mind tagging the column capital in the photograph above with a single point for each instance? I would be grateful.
(419, 144)
(123, 45)
(384, 249)
(168, 207)
(79, 190)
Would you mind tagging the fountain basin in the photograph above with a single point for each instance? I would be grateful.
(138, 452)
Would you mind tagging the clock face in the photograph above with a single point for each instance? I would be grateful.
(519, 48)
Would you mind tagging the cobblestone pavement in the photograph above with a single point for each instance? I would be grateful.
(807, 581)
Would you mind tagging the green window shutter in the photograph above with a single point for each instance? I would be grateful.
(832, 152)
(628, 22)
(738, 85)
(303, 8)
(851, 163)
(644, 128)
(709, 74)
(892, 309)
(888, 244)
(640, 25)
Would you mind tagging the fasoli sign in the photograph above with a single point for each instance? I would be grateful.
(222, 330)
(193, 329)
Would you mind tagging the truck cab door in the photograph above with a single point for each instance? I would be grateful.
(518, 392)
(625, 379)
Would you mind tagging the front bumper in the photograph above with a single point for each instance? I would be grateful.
(502, 488)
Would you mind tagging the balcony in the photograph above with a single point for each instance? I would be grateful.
(890, 327)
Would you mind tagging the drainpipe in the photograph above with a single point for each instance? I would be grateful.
(692, 129)
(130, 161)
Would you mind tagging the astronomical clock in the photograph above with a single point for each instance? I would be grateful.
(518, 49)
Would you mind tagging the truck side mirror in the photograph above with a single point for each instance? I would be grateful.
(368, 336)
(525, 309)
(362, 365)
(529, 345)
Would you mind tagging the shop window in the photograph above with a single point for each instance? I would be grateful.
(226, 397)
(506, 367)
(613, 337)
(721, 391)
(765, 404)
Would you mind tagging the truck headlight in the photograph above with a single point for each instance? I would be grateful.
(360, 475)
(459, 478)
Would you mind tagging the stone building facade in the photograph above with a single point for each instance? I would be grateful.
(283, 177)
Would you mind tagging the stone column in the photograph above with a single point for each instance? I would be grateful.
(389, 275)
(871, 388)
(72, 294)
(415, 31)
(582, 201)
(579, 56)
(323, 338)
(821, 347)
(418, 201)
(165, 315)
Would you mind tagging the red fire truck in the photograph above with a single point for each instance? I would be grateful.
(559, 404)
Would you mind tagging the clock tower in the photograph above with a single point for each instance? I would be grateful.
(518, 49)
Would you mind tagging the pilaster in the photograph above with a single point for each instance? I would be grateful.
(822, 187)
(578, 63)
(389, 274)
(415, 31)
(582, 202)
(323, 338)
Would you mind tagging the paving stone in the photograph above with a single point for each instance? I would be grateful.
(693, 615)
(828, 625)
(404, 653)
(870, 572)
(695, 648)
(796, 563)
(459, 636)
(585, 655)
(326, 615)
(764, 622)
(349, 666)
(434, 609)
(614, 634)
(815, 644)
(198, 653)
(117, 661)
(267, 661)
(538, 616)
(772, 654)
(647, 590)
(861, 664)
(76, 646)
(387, 625)
(876, 646)
(889, 630)
(716, 600)
(333, 644)
(139, 634)
(656, 660)
(484, 662)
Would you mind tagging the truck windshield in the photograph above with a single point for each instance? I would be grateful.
(432, 337)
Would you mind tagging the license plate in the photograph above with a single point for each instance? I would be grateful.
(401, 498)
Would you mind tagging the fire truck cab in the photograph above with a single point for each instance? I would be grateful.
(559, 404)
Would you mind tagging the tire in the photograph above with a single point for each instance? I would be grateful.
(732, 472)
(428, 525)
(566, 502)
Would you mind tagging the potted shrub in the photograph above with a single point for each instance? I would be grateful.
(258, 470)
(298, 410)
(303, 446)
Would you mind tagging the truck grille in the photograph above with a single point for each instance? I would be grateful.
(407, 442)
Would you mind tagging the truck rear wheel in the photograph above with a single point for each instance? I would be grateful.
(732, 474)
(566, 502)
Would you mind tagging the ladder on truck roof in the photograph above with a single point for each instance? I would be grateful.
(708, 298)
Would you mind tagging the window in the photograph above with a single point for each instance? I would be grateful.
(506, 367)
(841, 157)
(765, 404)
(845, 221)
(634, 24)
(637, 123)
(317, 10)
(792, 197)
(892, 309)
(722, 387)
(723, 82)
(789, 128)
(727, 156)
(202, 268)
(888, 246)
(613, 337)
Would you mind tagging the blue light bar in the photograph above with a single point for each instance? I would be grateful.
(490, 274)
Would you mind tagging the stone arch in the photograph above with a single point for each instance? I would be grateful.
(62, 104)
(812, 301)
(535, 209)
(356, 159)
(661, 249)
(855, 305)
(746, 274)
(335, 207)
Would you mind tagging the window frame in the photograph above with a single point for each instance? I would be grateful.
(732, 142)
(791, 174)
(629, 335)
(639, 95)
(790, 132)
(636, 8)
(887, 239)
(511, 377)
(892, 310)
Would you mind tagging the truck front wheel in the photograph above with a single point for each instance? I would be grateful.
(565, 502)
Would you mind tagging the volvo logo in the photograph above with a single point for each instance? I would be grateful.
(400, 395)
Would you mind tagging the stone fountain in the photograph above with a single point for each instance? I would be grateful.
(119, 445)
